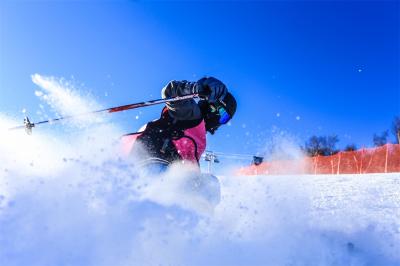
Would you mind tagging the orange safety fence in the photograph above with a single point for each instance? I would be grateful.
(384, 159)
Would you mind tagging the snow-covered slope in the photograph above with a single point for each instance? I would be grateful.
(264, 220)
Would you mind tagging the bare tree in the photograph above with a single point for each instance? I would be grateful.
(396, 128)
(313, 146)
(331, 145)
(351, 147)
(321, 145)
(380, 140)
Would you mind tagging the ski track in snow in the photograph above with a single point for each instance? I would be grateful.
(71, 200)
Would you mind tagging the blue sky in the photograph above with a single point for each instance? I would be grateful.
(303, 67)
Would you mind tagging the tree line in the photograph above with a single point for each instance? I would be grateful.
(326, 145)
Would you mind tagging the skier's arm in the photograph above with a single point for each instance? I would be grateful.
(185, 109)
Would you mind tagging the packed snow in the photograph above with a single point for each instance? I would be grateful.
(74, 200)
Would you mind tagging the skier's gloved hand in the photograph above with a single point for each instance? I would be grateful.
(211, 89)
(178, 88)
(184, 109)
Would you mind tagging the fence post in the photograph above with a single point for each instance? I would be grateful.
(338, 165)
(315, 164)
(386, 159)
(362, 160)
(356, 162)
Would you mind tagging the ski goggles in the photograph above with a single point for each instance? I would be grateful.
(224, 116)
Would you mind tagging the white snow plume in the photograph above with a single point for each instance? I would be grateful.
(73, 201)
(181, 185)
(282, 146)
(62, 96)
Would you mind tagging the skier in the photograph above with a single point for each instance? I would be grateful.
(179, 135)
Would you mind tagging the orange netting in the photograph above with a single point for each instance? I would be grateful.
(384, 159)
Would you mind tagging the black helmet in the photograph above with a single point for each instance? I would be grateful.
(218, 113)
(230, 104)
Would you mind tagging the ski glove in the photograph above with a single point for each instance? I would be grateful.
(211, 89)
(178, 88)
(185, 109)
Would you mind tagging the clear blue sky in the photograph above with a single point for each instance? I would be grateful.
(324, 67)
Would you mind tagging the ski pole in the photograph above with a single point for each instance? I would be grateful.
(28, 125)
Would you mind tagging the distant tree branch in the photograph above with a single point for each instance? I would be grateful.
(380, 140)
(396, 128)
